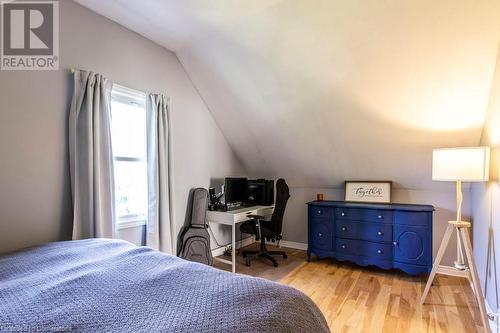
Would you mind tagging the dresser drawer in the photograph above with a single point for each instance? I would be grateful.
(412, 218)
(367, 215)
(363, 248)
(376, 232)
(321, 235)
(321, 212)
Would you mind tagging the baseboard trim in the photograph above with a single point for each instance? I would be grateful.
(492, 321)
(294, 245)
(289, 244)
(250, 240)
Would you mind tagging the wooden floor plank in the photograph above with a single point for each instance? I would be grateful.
(364, 299)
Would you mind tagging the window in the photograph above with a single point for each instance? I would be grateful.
(128, 137)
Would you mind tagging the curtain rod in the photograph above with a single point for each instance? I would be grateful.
(137, 91)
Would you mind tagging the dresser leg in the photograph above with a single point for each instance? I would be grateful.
(308, 257)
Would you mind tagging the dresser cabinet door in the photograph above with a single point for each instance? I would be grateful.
(321, 235)
(411, 244)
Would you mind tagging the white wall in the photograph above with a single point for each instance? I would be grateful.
(295, 222)
(35, 200)
(486, 204)
(321, 91)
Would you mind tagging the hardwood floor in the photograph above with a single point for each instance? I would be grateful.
(361, 299)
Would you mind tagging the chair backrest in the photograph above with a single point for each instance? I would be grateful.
(282, 196)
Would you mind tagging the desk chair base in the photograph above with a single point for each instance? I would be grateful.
(263, 253)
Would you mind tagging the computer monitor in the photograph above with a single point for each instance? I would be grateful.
(235, 190)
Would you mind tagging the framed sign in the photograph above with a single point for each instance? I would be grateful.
(368, 191)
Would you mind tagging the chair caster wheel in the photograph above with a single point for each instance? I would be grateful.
(247, 262)
(275, 264)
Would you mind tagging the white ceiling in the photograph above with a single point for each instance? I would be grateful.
(324, 91)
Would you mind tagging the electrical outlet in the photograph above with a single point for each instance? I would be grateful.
(228, 251)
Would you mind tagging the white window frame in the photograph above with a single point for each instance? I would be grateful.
(126, 95)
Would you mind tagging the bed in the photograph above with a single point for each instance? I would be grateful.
(100, 285)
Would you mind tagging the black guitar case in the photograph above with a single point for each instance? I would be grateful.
(194, 238)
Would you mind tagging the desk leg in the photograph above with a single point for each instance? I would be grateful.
(233, 252)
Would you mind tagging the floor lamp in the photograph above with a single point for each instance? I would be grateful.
(460, 165)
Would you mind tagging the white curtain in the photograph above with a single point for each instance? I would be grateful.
(158, 227)
(91, 158)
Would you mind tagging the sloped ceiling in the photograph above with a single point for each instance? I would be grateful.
(324, 91)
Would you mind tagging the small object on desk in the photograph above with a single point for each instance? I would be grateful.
(260, 192)
(319, 197)
(234, 206)
(215, 202)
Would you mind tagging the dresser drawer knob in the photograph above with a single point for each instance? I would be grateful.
(319, 212)
(380, 217)
(343, 228)
(395, 243)
(380, 233)
(343, 246)
(342, 214)
(320, 234)
(379, 251)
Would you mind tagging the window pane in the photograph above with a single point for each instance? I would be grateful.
(131, 188)
(128, 130)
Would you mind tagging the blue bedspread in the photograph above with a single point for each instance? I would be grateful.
(101, 285)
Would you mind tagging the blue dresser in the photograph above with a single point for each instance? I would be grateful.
(384, 235)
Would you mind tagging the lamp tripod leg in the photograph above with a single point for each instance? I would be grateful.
(475, 278)
(437, 262)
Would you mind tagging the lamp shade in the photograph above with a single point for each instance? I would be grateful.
(468, 164)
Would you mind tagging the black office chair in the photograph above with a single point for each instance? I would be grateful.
(268, 230)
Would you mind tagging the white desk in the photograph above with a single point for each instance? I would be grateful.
(232, 218)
